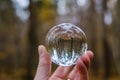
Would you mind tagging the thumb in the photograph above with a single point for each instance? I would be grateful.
(44, 65)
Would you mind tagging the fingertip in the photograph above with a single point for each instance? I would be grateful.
(41, 49)
(43, 54)
(90, 54)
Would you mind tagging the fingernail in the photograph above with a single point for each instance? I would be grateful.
(40, 49)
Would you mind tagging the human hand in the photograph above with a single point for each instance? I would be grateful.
(79, 71)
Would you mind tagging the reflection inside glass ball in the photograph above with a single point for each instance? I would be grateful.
(66, 43)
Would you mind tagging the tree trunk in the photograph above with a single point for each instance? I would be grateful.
(32, 42)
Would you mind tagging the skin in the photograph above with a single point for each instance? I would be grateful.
(78, 72)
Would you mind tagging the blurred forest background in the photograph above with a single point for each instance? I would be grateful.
(24, 24)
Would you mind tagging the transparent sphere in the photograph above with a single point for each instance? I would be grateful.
(66, 43)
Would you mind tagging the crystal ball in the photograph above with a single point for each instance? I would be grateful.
(66, 43)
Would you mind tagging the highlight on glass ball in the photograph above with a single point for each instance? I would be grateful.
(66, 43)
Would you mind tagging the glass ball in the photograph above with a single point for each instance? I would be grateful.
(66, 43)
